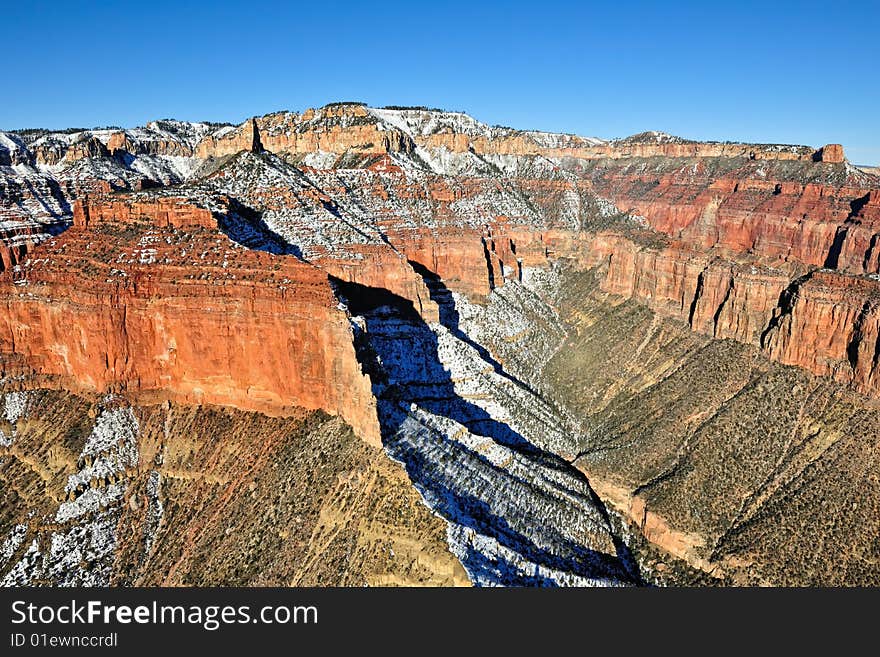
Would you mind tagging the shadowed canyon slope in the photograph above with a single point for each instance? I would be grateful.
(400, 346)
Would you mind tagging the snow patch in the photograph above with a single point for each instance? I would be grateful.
(11, 543)
(15, 405)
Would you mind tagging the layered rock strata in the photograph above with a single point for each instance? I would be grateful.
(400, 269)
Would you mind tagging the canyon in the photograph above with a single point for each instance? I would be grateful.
(399, 346)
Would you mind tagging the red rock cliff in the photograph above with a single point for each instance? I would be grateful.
(733, 229)
(113, 304)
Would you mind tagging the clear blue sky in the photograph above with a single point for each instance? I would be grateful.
(793, 72)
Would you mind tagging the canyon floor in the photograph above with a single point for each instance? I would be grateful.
(359, 346)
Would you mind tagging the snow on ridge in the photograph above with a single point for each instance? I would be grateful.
(110, 450)
(562, 139)
(651, 136)
(223, 131)
(189, 133)
(287, 122)
(425, 122)
(162, 150)
(445, 162)
(80, 552)
(11, 142)
(659, 137)
(115, 427)
(193, 131)
(304, 222)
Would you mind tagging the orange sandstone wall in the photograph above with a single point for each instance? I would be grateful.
(234, 327)
(778, 221)
(825, 322)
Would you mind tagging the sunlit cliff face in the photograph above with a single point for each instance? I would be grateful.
(590, 362)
